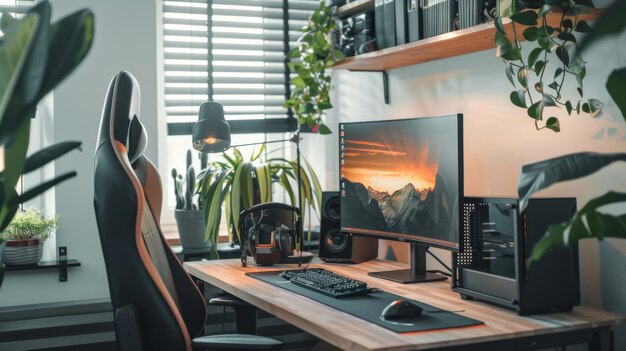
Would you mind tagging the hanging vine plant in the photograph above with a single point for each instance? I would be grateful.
(553, 67)
(314, 54)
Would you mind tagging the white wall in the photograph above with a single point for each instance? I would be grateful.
(498, 140)
(125, 39)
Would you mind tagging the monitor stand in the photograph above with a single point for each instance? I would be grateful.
(416, 274)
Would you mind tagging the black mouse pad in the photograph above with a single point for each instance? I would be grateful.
(369, 307)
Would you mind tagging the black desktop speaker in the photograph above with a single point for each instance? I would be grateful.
(336, 246)
(495, 247)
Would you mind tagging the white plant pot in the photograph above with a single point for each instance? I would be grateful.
(22, 252)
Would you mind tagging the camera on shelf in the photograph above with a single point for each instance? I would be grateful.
(355, 35)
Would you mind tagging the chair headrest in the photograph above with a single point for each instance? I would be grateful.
(120, 116)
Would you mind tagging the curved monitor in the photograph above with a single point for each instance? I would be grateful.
(403, 179)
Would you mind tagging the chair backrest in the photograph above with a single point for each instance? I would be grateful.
(142, 271)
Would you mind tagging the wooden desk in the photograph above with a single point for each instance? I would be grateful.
(503, 328)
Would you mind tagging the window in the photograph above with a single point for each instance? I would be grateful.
(16, 8)
(232, 52)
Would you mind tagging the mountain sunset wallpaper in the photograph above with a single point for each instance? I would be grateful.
(401, 177)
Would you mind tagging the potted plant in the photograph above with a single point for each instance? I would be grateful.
(238, 184)
(25, 236)
(538, 85)
(42, 55)
(189, 215)
(310, 96)
(592, 220)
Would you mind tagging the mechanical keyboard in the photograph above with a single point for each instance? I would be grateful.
(327, 282)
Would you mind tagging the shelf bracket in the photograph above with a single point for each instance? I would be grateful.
(386, 87)
(63, 263)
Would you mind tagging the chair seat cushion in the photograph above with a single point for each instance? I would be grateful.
(237, 342)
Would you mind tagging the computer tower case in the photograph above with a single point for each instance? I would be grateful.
(495, 246)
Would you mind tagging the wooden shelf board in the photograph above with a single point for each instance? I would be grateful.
(355, 7)
(460, 42)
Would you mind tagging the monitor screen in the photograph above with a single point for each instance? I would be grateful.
(403, 179)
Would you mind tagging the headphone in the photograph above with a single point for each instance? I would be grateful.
(269, 240)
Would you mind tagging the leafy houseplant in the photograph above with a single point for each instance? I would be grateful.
(189, 215)
(35, 56)
(310, 95)
(238, 184)
(25, 236)
(538, 86)
(592, 220)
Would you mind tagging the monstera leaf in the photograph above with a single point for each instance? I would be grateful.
(590, 221)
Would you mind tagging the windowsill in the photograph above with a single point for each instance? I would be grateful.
(170, 232)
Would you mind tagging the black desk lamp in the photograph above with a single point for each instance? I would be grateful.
(212, 134)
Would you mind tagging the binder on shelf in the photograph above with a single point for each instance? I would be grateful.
(390, 23)
(438, 16)
(379, 23)
(401, 22)
(414, 21)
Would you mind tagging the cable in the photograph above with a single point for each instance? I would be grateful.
(439, 260)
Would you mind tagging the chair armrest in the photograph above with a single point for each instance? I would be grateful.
(226, 299)
(240, 342)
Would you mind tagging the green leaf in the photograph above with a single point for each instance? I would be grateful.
(548, 100)
(70, 42)
(539, 66)
(536, 110)
(518, 98)
(39, 189)
(255, 156)
(294, 53)
(284, 182)
(297, 81)
(553, 124)
(586, 108)
(554, 85)
(14, 158)
(16, 44)
(615, 85)
(530, 33)
(6, 20)
(317, 187)
(522, 76)
(533, 56)
(50, 153)
(563, 55)
(582, 27)
(567, 24)
(505, 8)
(599, 225)
(528, 18)
(324, 130)
(503, 45)
(568, 107)
(580, 91)
(264, 181)
(213, 208)
(595, 107)
(509, 73)
(33, 72)
(541, 175)
(499, 25)
(515, 54)
(539, 87)
(611, 22)
(558, 72)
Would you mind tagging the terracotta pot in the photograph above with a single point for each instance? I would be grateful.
(22, 252)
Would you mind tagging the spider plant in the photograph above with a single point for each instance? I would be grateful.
(237, 184)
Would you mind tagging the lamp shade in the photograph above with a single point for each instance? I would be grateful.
(211, 133)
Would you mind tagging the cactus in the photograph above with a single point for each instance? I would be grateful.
(204, 160)
(180, 202)
(188, 159)
(191, 186)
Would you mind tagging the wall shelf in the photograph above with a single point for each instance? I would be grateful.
(61, 265)
(461, 42)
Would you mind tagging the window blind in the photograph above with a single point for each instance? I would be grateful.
(232, 52)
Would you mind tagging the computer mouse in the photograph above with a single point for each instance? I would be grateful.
(401, 309)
